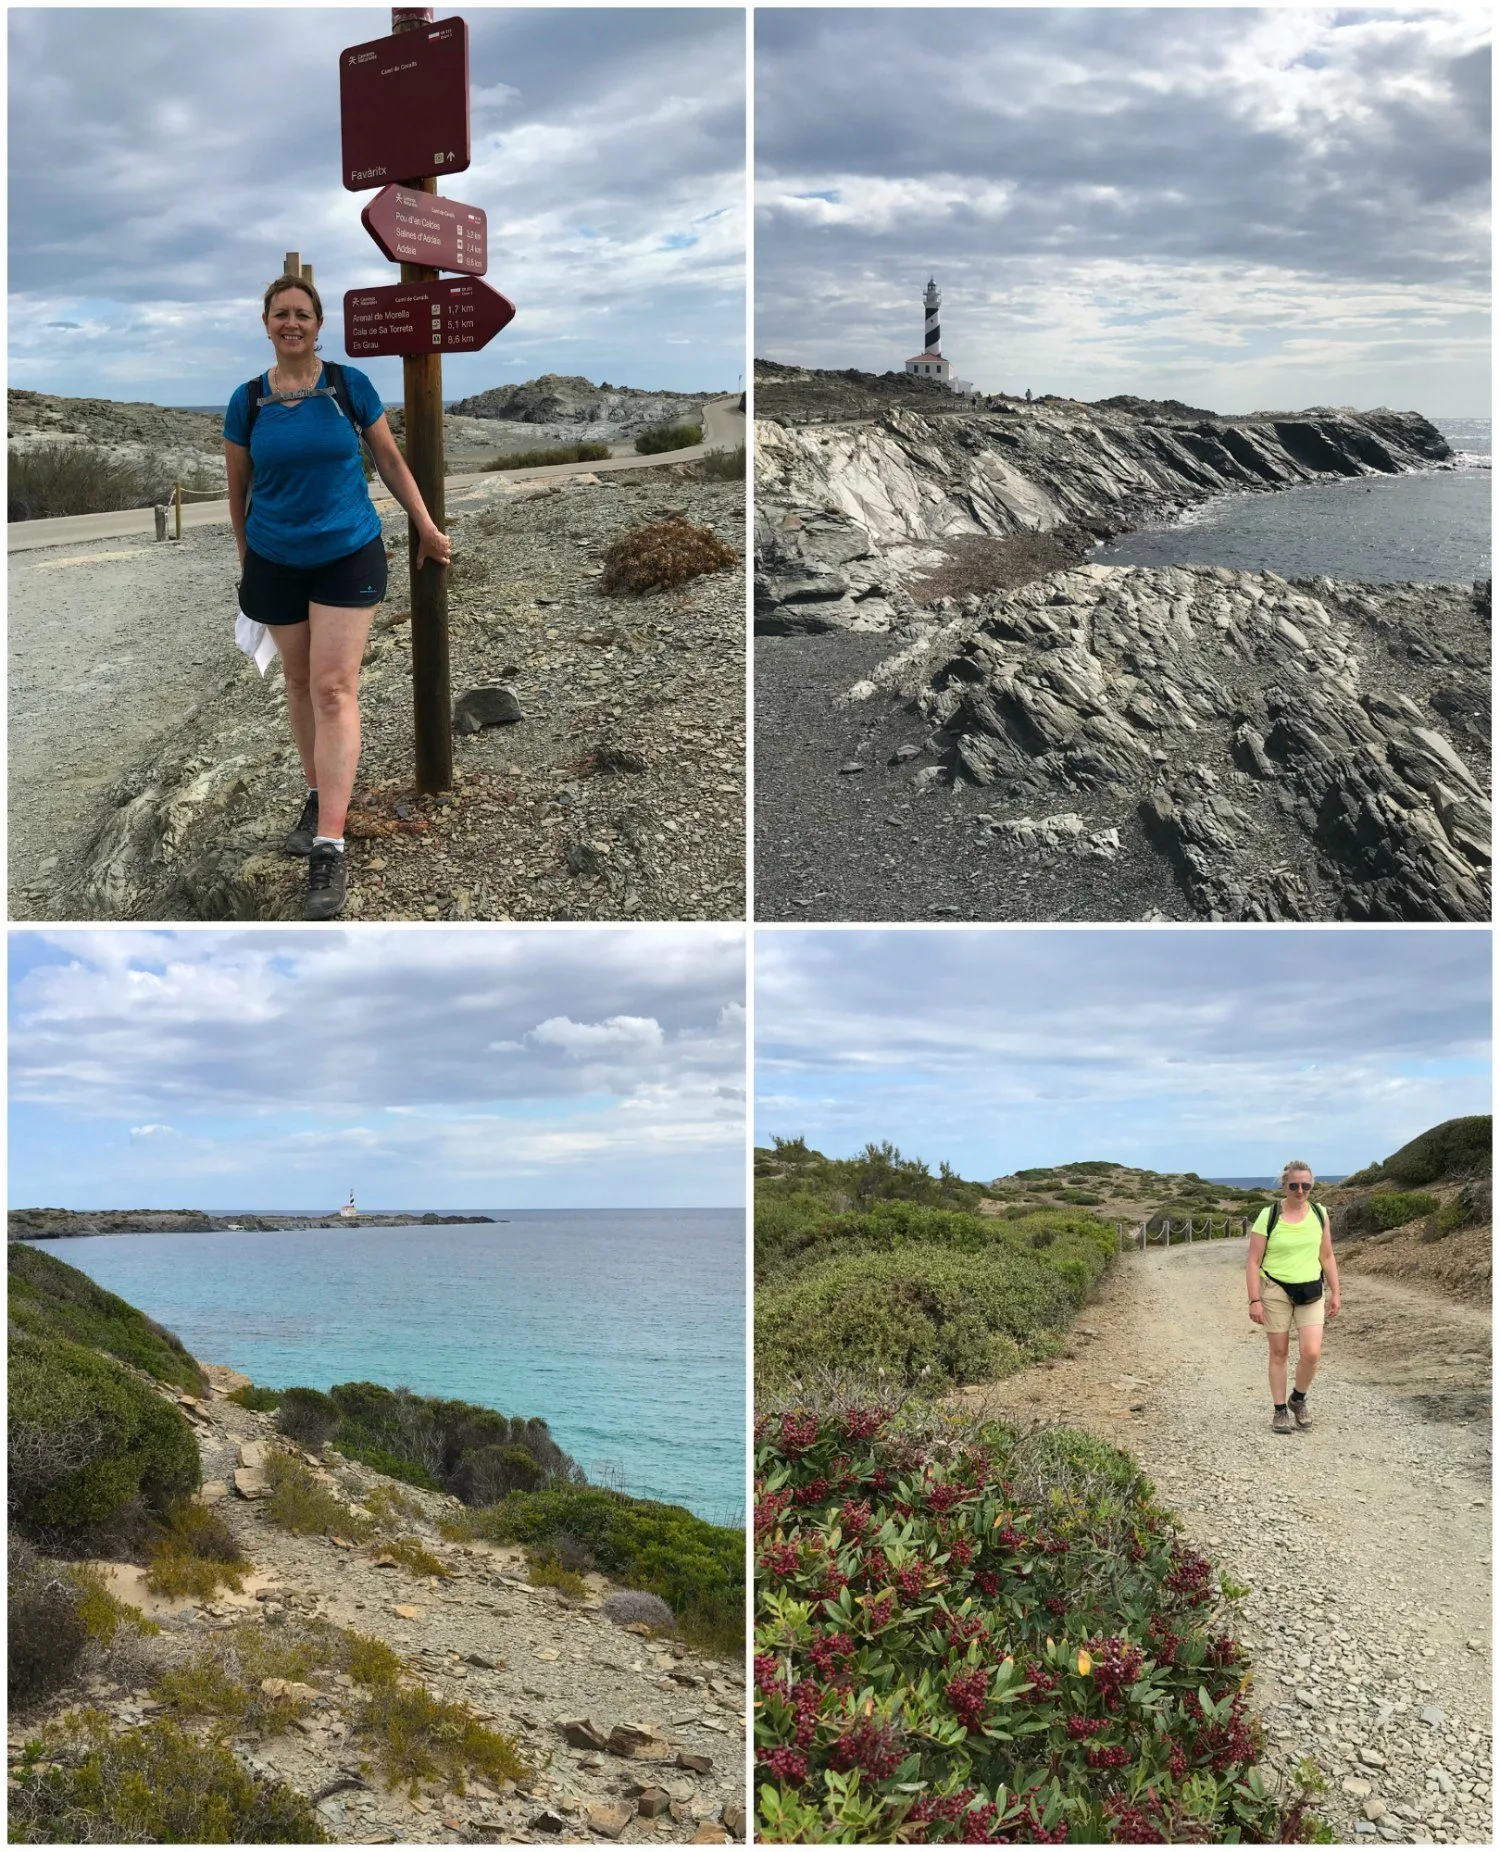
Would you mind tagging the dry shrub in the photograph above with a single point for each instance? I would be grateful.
(196, 1554)
(632, 1606)
(663, 554)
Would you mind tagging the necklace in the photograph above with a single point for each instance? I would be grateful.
(296, 385)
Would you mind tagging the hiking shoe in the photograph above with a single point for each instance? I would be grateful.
(1300, 1414)
(1281, 1421)
(300, 841)
(327, 883)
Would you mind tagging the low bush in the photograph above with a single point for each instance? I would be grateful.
(547, 1572)
(223, 1683)
(63, 479)
(663, 554)
(1447, 1220)
(48, 1298)
(87, 1441)
(1456, 1148)
(415, 1736)
(415, 1556)
(47, 1634)
(558, 453)
(252, 1395)
(663, 437)
(308, 1417)
(81, 1784)
(1392, 1209)
(722, 466)
(988, 1637)
(299, 1503)
(1082, 1198)
(457, 1447)
(196, 1553)
(632, 1607)
(697, 1568)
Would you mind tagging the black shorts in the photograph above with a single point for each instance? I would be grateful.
(273, 594)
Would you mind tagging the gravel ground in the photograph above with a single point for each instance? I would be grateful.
(1365, 1541)
(869, 845)
(620, 793)
(524, 1659)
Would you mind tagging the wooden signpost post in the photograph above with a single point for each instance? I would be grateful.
(404, 103)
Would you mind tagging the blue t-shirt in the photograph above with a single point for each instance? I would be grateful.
(309, 503)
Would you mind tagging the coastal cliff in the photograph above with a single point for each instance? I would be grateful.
(849, 508)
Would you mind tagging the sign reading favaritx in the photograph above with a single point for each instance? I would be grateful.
(404, 105)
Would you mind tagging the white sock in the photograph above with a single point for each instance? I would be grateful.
(329, 842)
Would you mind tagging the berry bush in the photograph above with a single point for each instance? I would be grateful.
(981, 1637)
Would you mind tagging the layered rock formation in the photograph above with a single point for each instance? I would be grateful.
(568, 399)
(848, 510)
(1286, 746)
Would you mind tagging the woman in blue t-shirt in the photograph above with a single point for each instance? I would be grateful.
(312, 559)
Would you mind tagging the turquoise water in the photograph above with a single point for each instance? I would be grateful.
(623, 1329)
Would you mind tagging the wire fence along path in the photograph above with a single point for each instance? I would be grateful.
(1169, 1230)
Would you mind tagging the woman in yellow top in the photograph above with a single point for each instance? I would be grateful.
(1291, 1274)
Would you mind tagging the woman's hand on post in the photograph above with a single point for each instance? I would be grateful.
(434, 545)
(1257, 1312)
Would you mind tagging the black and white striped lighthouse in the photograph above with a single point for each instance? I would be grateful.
(931, 302)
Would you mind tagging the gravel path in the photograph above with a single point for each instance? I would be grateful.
(1365, 1541)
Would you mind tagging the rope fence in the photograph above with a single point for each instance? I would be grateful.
(1174, 1229)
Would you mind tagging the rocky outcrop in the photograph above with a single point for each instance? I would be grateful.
(1289, 747)
(59, 1224)
(567, 398)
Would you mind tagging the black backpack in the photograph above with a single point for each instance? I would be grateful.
(1301, 1292)
(1275, 1216)
(337, 384)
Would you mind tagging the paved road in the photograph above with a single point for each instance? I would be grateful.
(723, 429)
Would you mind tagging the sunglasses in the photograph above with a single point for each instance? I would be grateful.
(1301, 1188)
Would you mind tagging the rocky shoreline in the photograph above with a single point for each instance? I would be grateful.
(1111, 742)
(61, 1224)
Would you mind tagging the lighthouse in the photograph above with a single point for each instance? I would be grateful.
(930, 363)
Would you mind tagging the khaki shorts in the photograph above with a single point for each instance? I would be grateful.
(1281, 1314)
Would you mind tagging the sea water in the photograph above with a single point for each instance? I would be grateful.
(1431, 524)
(624, 1329)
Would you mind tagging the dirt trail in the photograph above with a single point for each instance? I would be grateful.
(1365, 1540)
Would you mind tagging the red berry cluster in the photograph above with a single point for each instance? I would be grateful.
(878, 1613)
(941, 1498)
(909, 1585)
(862, 1423)
(854, 1516)
(829, 1652)
(815, 1492)
(1117, 1665)
(1191, 1576)
(1134, 1824)
(969, 1692)
(873, 1745)
(1081, 1728)
(769, 1508)
(1099, 1755)
(783, 1764)
(964, 1628)
(770, 1673)
(961, 1552)
(798, 1433)
(987, 1582)
(781, 1561)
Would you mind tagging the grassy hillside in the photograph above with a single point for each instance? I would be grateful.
(874, 1264)
(1423, 1214)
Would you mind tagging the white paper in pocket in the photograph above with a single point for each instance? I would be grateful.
(255, 640)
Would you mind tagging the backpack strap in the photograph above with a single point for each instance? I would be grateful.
(340, 387)
(252, 394)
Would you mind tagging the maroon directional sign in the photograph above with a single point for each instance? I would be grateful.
(455, 315)
(404, 104)
(419, 228)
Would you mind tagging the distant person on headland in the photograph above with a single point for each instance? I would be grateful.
(312, 559)
(1289, 1265)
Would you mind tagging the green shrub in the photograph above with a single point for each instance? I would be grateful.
(48, 1298)
(1083, 1198)
(558, 453)
(697, 1568)
(47, 1634)
(415, 1556)
(661, 555)
(63, 479)
(298, 1503)
(253, 1396)
(664, 437)
(722, 466)
(1395, 1208)
(87, 1441)
(1362, 1179)
(547, 1572)
(416, 1736)
(1457, 1147)
(195, 1554)
(308, 1417)
(1449, 1218)
(987, 1637)
(81, 1784)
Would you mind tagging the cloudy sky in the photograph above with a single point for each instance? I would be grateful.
(162, 161)
(1224, 1051)
(599, 1068)
(1243, 209)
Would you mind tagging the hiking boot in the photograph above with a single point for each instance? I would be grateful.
(327, 883)
(1300, 1414)
(1281, 1421)
(300, 841)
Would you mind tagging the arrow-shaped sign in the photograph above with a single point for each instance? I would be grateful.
(419, 228)
(455, 315)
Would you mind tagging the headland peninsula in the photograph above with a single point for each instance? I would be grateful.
(60, 1224)
(960, 713)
